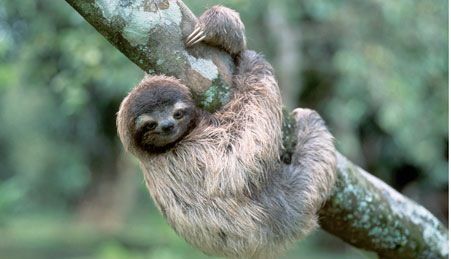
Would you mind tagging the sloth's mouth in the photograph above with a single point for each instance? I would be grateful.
(161, 142)
(168, 133)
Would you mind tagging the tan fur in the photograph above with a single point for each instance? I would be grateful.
(223, 28)
(223, 187)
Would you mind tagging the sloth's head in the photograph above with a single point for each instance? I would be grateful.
(156, 115)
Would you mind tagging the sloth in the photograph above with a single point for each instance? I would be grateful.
(217, 178)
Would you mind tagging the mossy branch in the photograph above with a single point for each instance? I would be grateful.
(362, 210)
(369, 214)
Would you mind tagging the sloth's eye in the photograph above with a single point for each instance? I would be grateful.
(150, 126)
(178, 114)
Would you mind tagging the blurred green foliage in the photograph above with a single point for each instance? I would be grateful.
(392, 66)
(376, 70)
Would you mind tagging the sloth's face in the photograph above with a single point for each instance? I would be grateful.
(160, 128)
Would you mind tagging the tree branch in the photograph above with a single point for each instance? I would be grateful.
(363, 210)
(369, 214)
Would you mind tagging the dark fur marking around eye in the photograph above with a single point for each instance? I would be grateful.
(150, 126)
(179, 114)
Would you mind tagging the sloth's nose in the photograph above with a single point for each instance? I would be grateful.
(167, 126)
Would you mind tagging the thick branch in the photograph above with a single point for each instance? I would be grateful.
(369, 214)
(363, 211)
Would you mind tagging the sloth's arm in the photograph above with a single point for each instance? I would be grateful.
(221, 27)
(252, 120)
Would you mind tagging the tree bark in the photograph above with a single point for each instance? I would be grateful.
(369, 214)
(362, 210)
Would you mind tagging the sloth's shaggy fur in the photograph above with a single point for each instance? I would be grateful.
(223, 28)
(222, 187)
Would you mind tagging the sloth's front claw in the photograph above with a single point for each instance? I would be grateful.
(195, 37)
